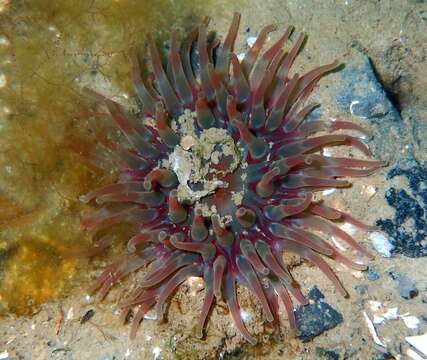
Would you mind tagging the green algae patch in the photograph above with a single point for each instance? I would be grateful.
(50, 50)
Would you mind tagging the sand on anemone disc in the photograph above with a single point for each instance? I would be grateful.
(220, 178)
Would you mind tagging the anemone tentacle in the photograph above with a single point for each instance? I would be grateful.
(225, 196)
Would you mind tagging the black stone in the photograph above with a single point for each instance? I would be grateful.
(383, 356)
(236, 354)
(327, 354)
(316, 318)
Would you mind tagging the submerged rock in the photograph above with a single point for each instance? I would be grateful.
(405, 285)
(410, 209)
(317, 317)
(372, 274)
(327, 354)
(363, 95)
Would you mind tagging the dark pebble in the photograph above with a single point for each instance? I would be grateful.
(383, 356)
(327, 354)
(372, 275)
(316, 318)
(87, 316)
(361, 289)
(405, 285)
(365, 94)
(234, 355)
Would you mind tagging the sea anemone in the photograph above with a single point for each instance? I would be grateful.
(220, 175)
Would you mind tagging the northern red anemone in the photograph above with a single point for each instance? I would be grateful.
(219, 173)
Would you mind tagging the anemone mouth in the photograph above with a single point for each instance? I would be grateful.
(204, 162)
(220, 178)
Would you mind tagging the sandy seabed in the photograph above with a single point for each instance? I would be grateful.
(49, 50)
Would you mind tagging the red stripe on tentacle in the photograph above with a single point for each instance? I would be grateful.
(286, 300)
(316, 260)
(207, 301)
(333, 214)
(238, 82)
(186, 60)
(173, 283)
(223, 59)
(259, 70)
(147, 97)
(252, 54)
(181, 83)
(233, 306)
(311, 144)
(172, 103)
(252, 280)
(109, 217)
(318, 223)
(204, 61)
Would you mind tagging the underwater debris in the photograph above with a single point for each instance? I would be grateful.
(381, 243)
(418, 342)
(373, 331)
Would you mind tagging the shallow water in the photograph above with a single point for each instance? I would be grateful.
(48, 51)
